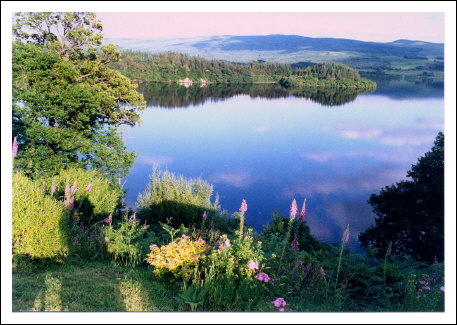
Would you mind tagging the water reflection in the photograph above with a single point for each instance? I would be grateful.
(271, 151)
(178, 96)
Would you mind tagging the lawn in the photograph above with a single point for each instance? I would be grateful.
(90, 287)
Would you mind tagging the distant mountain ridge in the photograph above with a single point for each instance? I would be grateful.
(286, 48)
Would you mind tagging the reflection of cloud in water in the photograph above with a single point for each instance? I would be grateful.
(155, 161)
(236, 179)
(261, 128)
(421, 134)
(358, 179)
(360, 133)
(390, 155)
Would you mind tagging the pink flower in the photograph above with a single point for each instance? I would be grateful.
(89, 188)
(76, 241)
(281, 309)
(253, 265)
(44, 188)
(442, 288)
(53, 187)
(346, 235)
(185, 236)
(426, 288)
(293, 210)
(303, 212)
(279, 302)
(109, 219)
(227, 243)
(67, 190)
(244, 206)
(151, 246)
(211, 224)
(106, 239)
(204, 216)
(295, 244)
(322, 272)
(263, 277)
(73, 188)
(71, 201)
(308, 267)
(15, 147)
(82, 227)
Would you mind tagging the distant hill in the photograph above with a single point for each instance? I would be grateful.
(287, 48)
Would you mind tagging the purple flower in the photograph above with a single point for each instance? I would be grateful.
(211, 224)
(426, 288)
(308, 267)
(44, 188)
(67, 190)
(263, 277)
(299, 263)
(15, 147)
(53, 187)
(303, 212)
(204, 216)
(295, 244)
(424, 282)
(442, 288)
(227, 243)
(76, 241)
(244, 206)
(74, 188)
(293, 209)
(109, 219)
(253, 265)
(245, 234)
(279, 302)
(281, 309)
(82, 227)
(346, 235)
(89, 188)
(71, 202)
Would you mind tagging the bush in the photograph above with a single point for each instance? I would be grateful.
(178, 257)
(126, 242)
(175, 200)
(95, 197)
(41, 224)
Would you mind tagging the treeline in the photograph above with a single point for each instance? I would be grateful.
(172, 67)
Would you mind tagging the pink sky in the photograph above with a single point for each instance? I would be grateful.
(379, 26)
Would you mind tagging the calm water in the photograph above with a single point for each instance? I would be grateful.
(268, 146)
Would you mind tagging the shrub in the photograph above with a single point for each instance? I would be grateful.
(125, 241)
(175, 200)
(41, 224)
(178, 257)
(95, 197)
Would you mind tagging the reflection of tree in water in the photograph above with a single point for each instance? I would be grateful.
(177, 96)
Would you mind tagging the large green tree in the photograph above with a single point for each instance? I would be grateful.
(410, 214)
(67, 104)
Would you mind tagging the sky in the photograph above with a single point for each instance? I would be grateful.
(365, 26)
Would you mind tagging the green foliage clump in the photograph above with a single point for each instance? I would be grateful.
(67, 103)
(332, 75)
(41, 224)
(410, 214)
(95, 197)
(178, 257)
(175, 200)
(126, 241)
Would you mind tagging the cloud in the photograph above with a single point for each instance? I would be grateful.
(156, 161)
(236, 179)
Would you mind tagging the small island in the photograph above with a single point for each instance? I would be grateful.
(187, 70)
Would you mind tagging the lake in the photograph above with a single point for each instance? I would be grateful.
(268, 145)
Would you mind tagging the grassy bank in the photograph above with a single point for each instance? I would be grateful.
(90, 287)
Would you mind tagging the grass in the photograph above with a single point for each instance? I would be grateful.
(90, 287)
